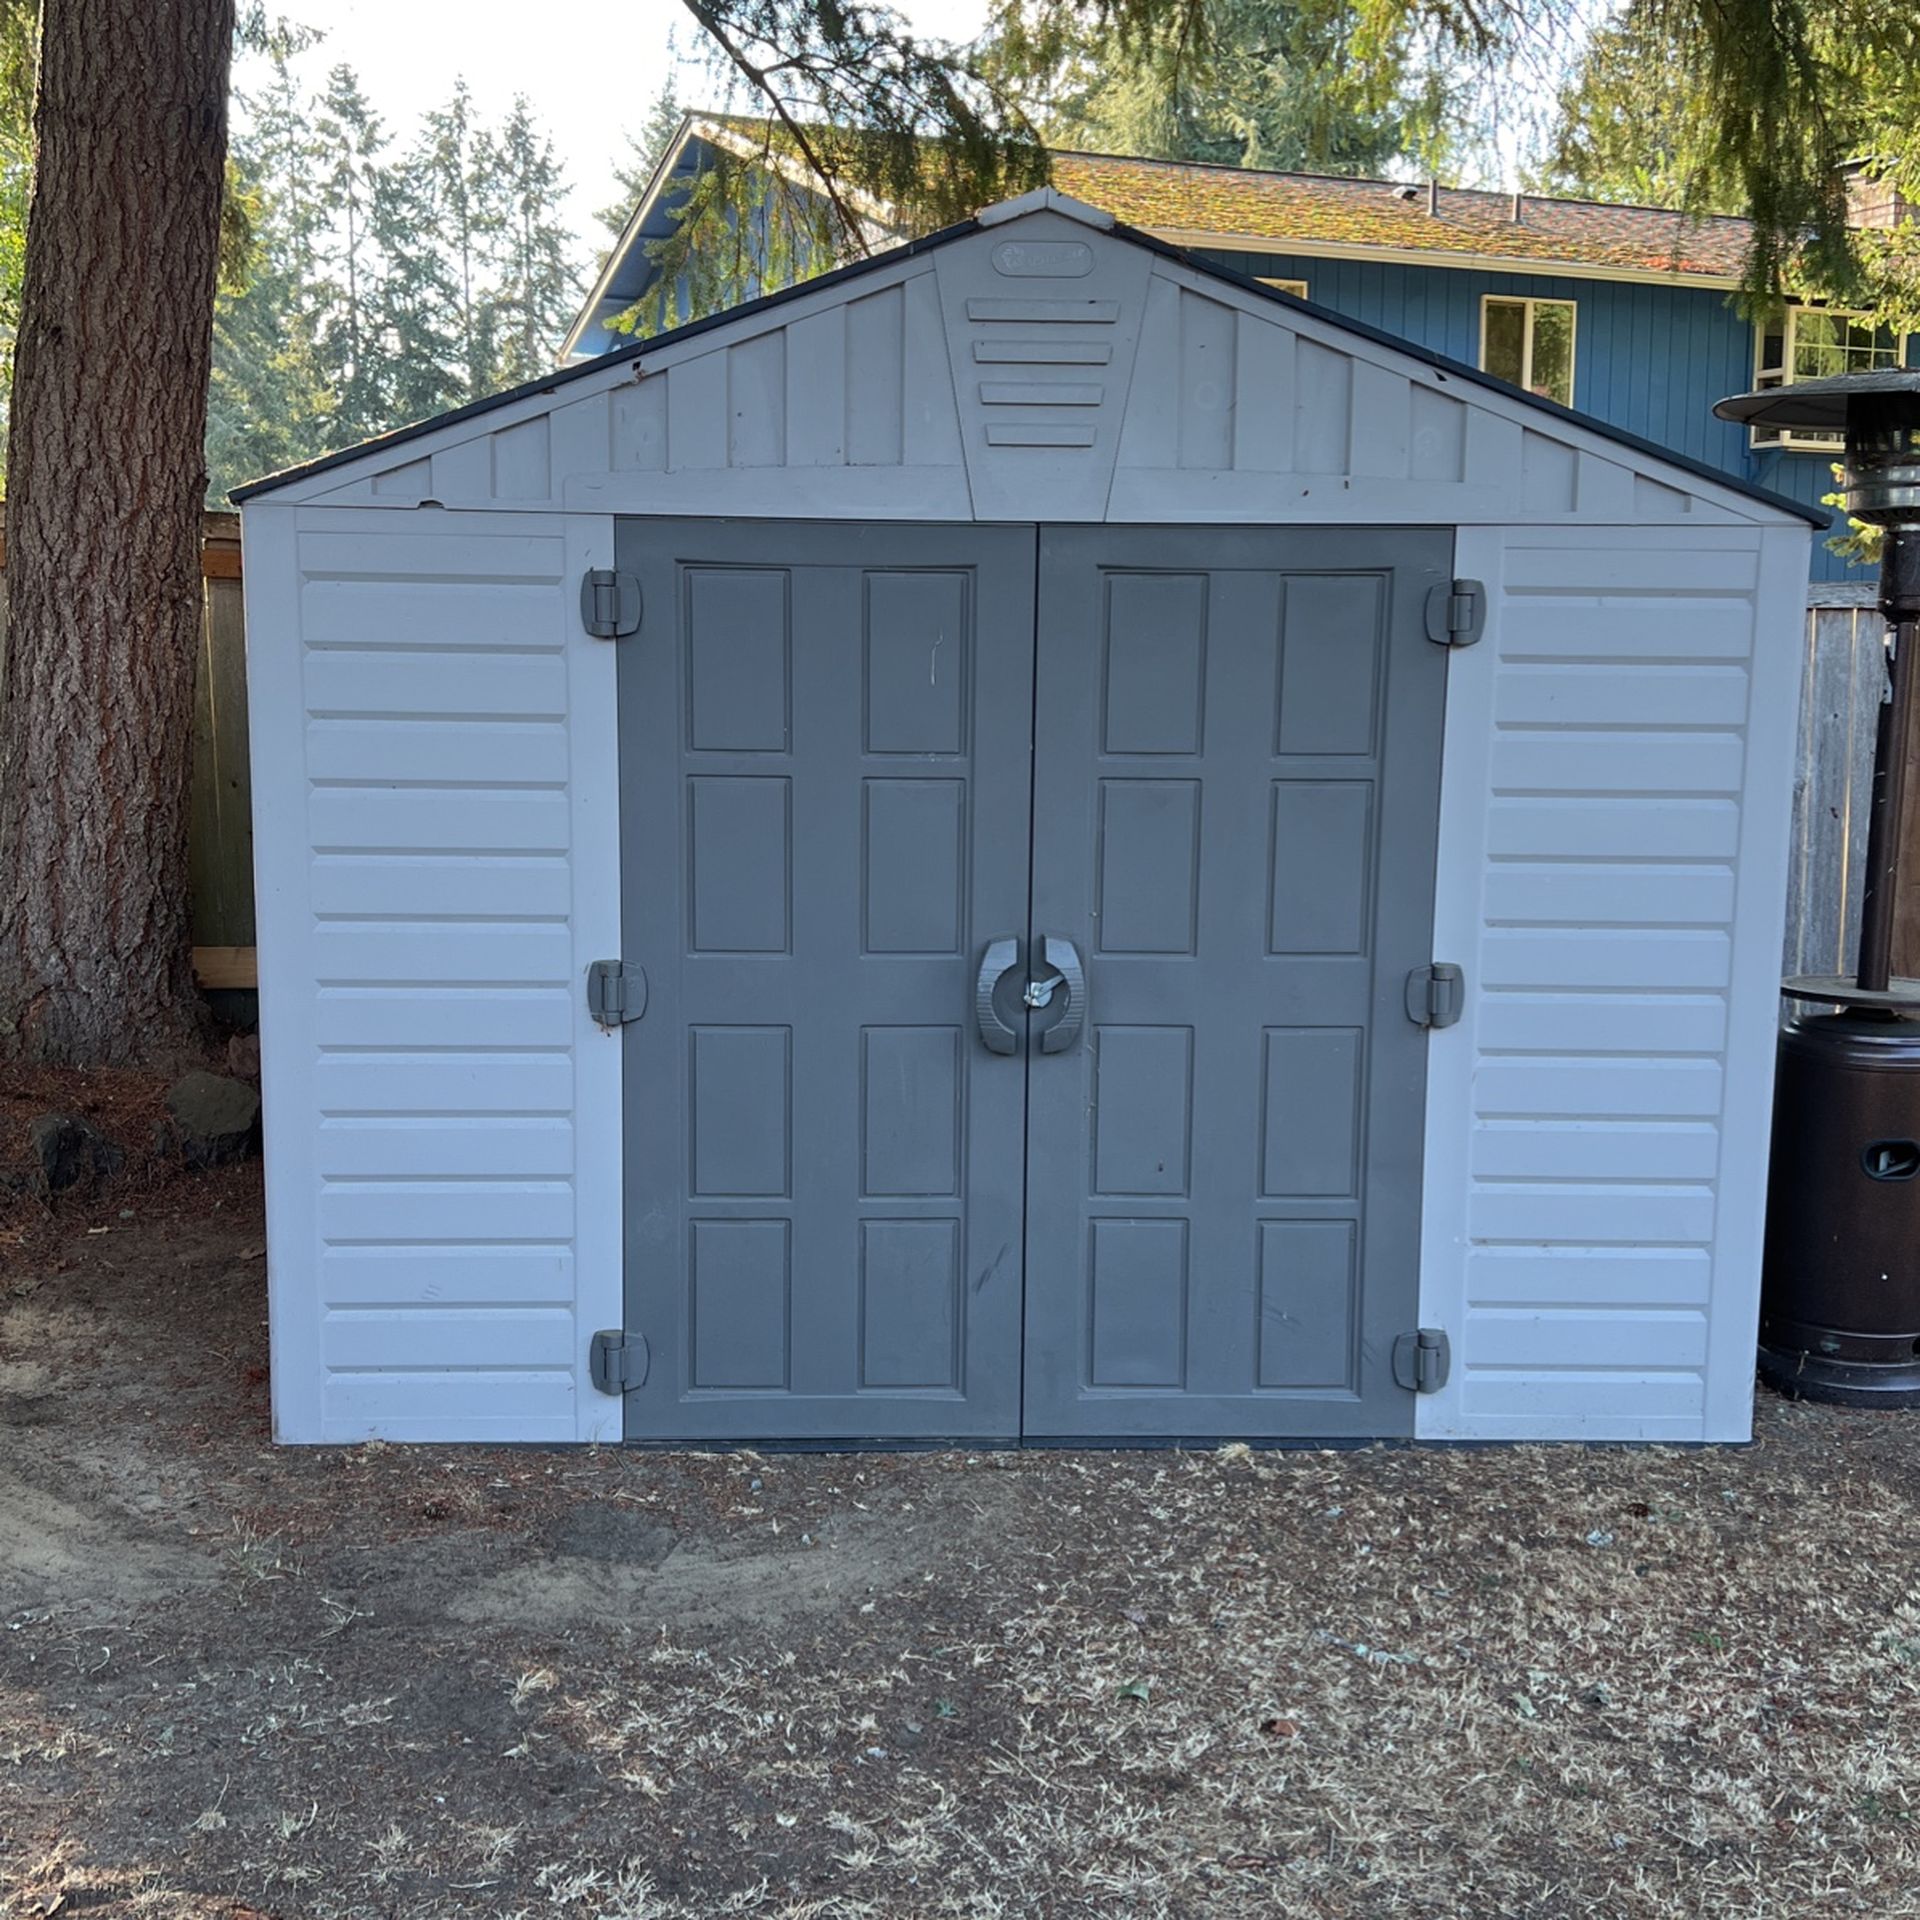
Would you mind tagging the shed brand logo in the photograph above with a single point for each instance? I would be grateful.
(1042, 259)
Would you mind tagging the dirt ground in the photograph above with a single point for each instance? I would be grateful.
(236, 1681)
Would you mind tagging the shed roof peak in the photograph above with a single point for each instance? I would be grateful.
(1045, 200)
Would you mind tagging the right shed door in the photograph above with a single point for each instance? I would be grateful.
(1237, 768)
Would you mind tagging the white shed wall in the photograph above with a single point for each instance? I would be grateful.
(1613, 848)
(436, 863)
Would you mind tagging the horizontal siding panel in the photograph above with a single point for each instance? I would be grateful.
(1690, 569)
(429, 613)
(452, 884)
(359, 1339)
(1589, 1276)
(462, 1276)
(1600, 629)
(512, 1149)
(1602, 1023)
(1584, 696)
(472, 752)
(1577, 1150)
(466, 559)
(483, 1406)
(444, 1083)
(1558, 1399)
(1533, 1211)
(1609, 893)
(519, 686)
(470, 1018)
(434, 817)
(452, 951)
(1640, 1338)
(445, 1210)
(1602, 1088)
(1622, 763)
(1605, 958)
(1619, 829)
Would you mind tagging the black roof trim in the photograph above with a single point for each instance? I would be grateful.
(1426, 356)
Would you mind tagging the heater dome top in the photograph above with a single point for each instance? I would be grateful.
(1818, 404)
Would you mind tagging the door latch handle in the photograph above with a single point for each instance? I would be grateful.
(1064, 958)
(1039, 992)
(1001, 958)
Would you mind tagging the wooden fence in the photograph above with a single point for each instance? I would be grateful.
(1833, 778)
(222, 803)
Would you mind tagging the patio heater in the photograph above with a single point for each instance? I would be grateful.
(1840, 1292)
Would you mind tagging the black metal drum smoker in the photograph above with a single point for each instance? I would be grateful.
(1840, 1290)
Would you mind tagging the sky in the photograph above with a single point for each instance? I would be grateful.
(590, 81)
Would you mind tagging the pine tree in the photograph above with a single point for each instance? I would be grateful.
(535, 288)
(18, 34)
(106, 475)
(1278, 88)
(348, 142)
(454, 200)
(645, 150)
(268, 405)
(416, 322)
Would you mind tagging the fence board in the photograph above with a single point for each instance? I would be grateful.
(221, 799)
(1840, 702)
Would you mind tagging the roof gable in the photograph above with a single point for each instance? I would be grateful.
(1037, 363)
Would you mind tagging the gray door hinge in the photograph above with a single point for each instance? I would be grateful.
(1457, 612)
(618, 1361)
(609, 603)
(616, 992)
(1421, 1361)
(1435, 994)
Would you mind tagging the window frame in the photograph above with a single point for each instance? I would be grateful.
(1298, 288)
(1803, 439)
(1529, 301)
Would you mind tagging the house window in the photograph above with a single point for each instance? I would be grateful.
(1298, 288)
(1530, 343)
(1815, 343)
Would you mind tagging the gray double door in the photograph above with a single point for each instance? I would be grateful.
(1026, 916)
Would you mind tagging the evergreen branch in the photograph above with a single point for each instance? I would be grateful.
(759, 79)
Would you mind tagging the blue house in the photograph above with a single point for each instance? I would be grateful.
(1627, 314)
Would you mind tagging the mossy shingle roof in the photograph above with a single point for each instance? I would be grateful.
(1270, 210)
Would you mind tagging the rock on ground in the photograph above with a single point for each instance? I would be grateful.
(218, 1119)
(68, 1150)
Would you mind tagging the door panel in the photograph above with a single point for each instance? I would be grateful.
(1236, 752)
(825, 813)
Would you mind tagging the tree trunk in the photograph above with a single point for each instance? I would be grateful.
(106, 479)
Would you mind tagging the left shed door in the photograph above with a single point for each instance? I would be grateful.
(825, 817)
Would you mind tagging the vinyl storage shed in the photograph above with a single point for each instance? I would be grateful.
(1045, 752)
